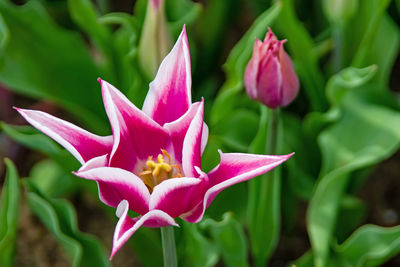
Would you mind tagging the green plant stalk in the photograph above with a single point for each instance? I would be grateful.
(272, 135)
(168, 245)
(337, 54)
(268, 198)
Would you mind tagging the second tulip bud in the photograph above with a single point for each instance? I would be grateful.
(270, 77)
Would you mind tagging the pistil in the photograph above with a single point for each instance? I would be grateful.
(156, 172)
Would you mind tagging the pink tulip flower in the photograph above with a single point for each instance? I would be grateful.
(151, 163)
(270, 77)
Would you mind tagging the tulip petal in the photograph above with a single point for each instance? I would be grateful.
(170, 96)
(175, 196)
(270, 81)
(127, 226)
(290, 82)
(191, 153)
(136, 136)
(178, 130)
(79, 142)
(97, 162)
(251, 73)
(233, 168)
(204, 137)
(116, 184)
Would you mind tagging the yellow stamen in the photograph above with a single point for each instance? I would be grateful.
(156, 172)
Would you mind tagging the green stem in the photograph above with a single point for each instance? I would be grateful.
(168, 244)
(269, 196)
(272, 134)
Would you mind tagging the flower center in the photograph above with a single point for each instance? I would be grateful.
(156, 172)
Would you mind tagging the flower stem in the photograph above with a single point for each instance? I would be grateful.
(269, 197)
(168, 244)
(272, 137)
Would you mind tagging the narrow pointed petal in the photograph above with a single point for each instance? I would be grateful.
(170, 96)
(178, 129)
(126, 226)
(191, 153)
(80, 143)
(116, 184)
(204, 137)
(136, 136)
(233, 168)
(176, 196)
(97, 162)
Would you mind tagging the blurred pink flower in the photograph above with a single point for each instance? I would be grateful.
(270, 77)
(152, 162)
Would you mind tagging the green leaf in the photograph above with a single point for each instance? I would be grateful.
(42, 60)
(60, 218)
(9, 208)
(48, 175)
(236, 63)
(377, 137)
(182, 12)
(351, 214)
(301, 47)
(348, 78)
(336, 88)
(130, 79)
(199, 251)
(371, 37)
(367, 22)
(370, 245)
(304, 166)
(382, 50)
(229, 237)
(212, 29)
(306, 260)
(244, 122)
(85, 16)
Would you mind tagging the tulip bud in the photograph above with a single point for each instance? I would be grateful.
(155, 40)
(270, 77)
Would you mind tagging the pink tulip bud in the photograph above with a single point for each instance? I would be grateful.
(270, 77)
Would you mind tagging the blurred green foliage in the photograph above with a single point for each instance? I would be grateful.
(9, 208)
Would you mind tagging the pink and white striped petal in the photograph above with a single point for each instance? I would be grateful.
(80, 143)
(97, 162)
(169, 96)
(136, 136)
(127, 226)
(178, 129)
(192, 144)
(204, 137)
(116, 184)
(176, 195)
(233, 168)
